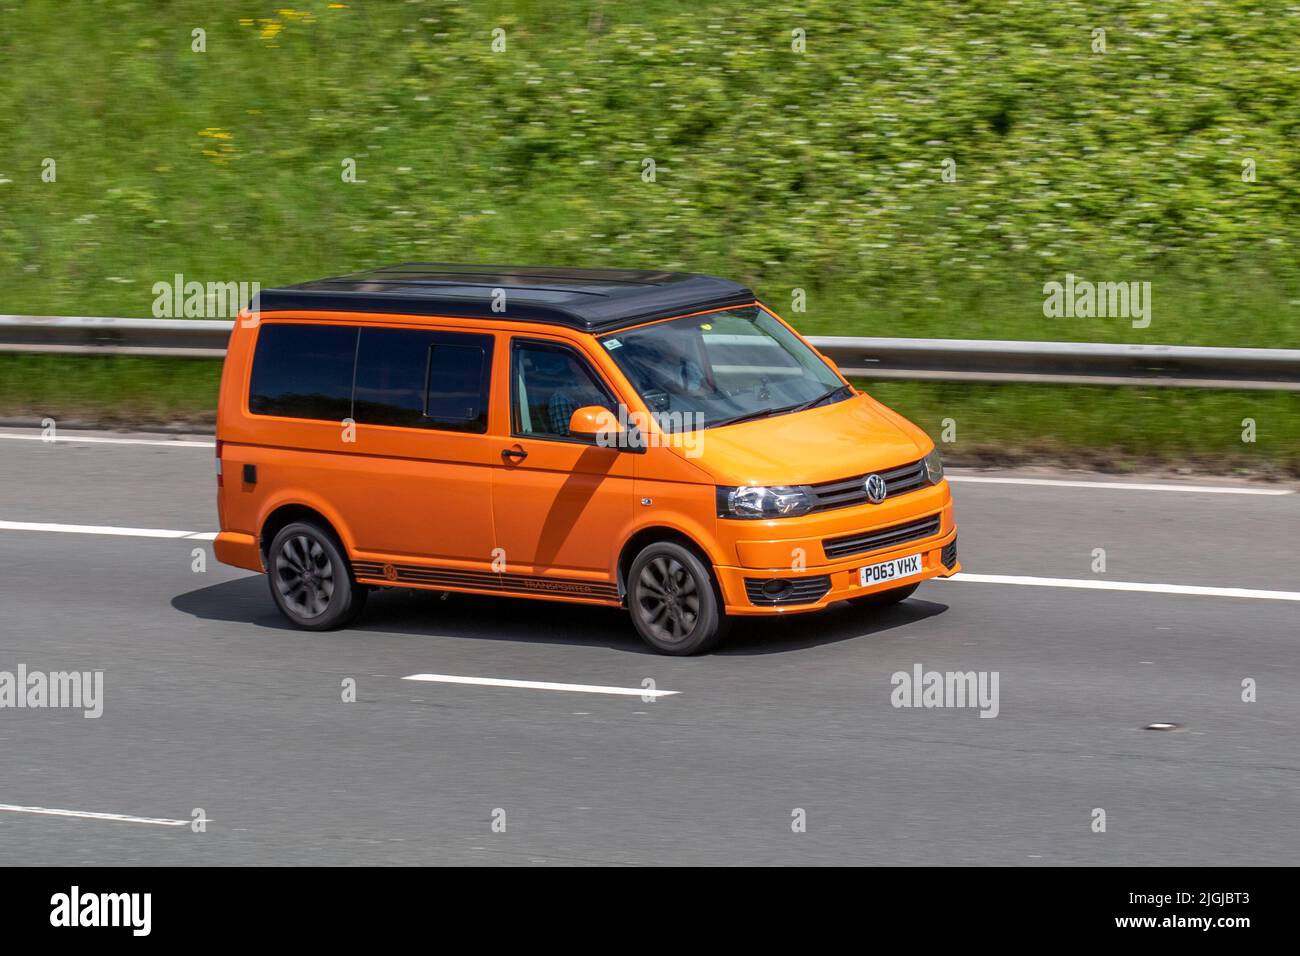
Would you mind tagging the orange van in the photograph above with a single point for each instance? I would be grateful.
(658, 441)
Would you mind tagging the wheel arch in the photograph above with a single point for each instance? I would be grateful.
(286, 514)
(650, 535)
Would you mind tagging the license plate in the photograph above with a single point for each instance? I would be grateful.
(896, 570)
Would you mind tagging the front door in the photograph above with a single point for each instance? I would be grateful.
(558, 501)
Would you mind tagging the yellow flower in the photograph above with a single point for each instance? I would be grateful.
(225, 149)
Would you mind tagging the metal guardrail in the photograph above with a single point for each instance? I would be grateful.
(80, 335)
(1064, 363)
(948, 360)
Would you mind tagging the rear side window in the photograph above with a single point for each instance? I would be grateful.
(404, 377)
(303, 371)
(418, 379)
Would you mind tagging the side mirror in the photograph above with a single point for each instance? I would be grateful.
(597, 424)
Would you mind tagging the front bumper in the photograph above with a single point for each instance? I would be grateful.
(814, 581)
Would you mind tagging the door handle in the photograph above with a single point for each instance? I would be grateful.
(518, 454)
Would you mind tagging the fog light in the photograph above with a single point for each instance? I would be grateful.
(776, 588)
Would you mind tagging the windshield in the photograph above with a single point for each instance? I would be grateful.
(722, 367)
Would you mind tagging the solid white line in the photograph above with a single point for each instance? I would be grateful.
(1124, 586)
(107, 529)
(542, 685)
(91, 815)
(1123, 485)
(182, 443)
(974, 479)
(1022, 580)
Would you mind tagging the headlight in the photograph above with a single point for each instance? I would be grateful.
(779, 501)
(934, 467)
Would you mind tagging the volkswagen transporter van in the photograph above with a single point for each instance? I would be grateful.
(657, 441)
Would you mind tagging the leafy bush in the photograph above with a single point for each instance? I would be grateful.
(819, 170)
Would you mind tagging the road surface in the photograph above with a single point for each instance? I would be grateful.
(210, 701)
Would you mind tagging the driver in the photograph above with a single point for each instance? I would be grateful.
(662, 367)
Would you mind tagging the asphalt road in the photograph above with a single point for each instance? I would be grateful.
(211, 702)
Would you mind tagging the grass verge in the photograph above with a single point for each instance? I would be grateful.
(1105, 428)
(109, 390)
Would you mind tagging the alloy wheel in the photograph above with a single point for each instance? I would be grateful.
(668, 599)
(304, 576)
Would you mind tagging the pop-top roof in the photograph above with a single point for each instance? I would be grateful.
(594, 300)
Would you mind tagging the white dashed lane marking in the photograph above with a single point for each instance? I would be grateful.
(542, 685)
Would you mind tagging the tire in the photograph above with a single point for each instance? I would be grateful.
(674, 601)
(311, 578)
(885, 598)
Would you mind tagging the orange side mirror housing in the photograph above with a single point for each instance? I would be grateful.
(593, 421)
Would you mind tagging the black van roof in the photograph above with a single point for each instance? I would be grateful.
(593, 300)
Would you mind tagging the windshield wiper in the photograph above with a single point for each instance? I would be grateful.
(750, 416)
(820, 398)
(769, 412)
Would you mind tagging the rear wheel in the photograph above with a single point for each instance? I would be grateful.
(885, 598)
(674, 601)
(311, 579)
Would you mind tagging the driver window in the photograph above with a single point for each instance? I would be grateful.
(550, 383)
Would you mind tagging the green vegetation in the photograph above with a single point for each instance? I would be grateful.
(109, 390)
(819, 170)
(1110, 429)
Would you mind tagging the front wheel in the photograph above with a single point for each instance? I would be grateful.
(311, 579)
(885, 598)
(673, 601)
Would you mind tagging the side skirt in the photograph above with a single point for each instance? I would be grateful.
(457, 579)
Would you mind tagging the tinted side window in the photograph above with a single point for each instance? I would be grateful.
(418, 379)
(303, 371)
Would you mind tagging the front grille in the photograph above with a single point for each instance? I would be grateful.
(949, 555)
(850, 491)
(880, 538)
(808, 590)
